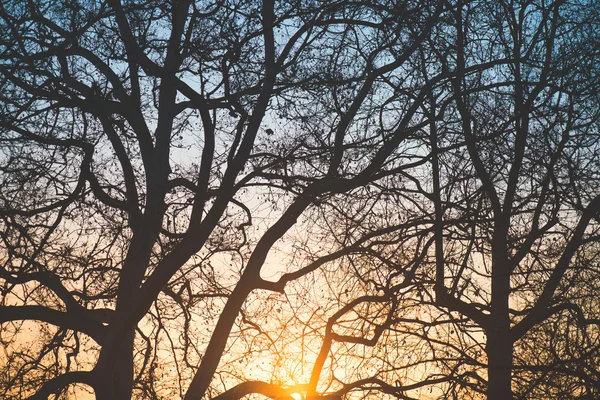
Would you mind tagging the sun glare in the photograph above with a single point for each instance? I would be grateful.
(296, 396)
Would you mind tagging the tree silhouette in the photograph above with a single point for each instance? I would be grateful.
(154, 153)
(515, 176)
(227, 199)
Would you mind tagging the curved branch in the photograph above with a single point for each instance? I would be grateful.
(269, 390)
(74, 321)
(56, 384)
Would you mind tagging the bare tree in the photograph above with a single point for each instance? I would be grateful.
(154, 153)
(515, 175)
(229, 199)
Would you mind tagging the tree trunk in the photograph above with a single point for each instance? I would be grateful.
(116, 380)
(116, 383)
(123, 372)
(499, 346)
(499, 352)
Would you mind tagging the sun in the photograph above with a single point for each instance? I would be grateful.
(296, 396)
